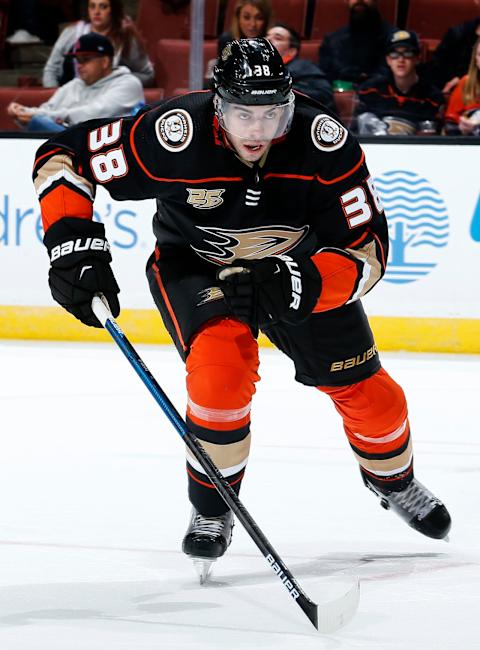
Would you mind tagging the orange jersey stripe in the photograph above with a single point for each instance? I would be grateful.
(339, 275)
(173, 180)
(358, 241)
(295, 176)
(45, 155)
(343, 176)
(64, 202)
(168, 305)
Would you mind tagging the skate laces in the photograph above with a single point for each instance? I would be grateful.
(208, 525)
(415, 499)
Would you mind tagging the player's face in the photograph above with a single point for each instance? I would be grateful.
(99, 14)
(250, 21)
(402, 62)
(251, 129)
(477, 57)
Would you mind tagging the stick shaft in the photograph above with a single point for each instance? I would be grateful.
(221, 484)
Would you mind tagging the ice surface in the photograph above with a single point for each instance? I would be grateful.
(93, 510)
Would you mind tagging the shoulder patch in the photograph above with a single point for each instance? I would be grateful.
(174, 129)
(327, 133)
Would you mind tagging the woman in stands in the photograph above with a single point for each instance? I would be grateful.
(251, 19)
(462, 116)
(106, 17)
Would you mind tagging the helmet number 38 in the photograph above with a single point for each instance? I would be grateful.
(261, 71)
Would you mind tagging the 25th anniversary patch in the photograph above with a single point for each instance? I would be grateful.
(174, 129)
(327, 133)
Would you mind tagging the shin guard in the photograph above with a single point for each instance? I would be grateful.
(221, 373)
(375, 419)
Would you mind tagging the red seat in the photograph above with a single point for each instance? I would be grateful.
(4, 8)
(290, 12)
(330, 15)
(27, 96)
(153, 95)
(309, 50)
(428, 47)
(432, 18)
(155, 20)
(172, 62)
(346, 104)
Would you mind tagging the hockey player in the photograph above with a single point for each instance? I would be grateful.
(267, 218)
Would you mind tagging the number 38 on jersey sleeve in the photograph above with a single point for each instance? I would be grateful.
(72, 163)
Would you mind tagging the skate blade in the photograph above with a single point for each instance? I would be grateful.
(203, 567)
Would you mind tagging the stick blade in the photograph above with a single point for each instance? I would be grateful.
(334, 614)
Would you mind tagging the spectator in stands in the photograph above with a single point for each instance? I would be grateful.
(356, 52)
(105, 17)
(307, 77)
(451, 59)
(463, 111)
(23, 20)
(404, 101)
(251, 19)
(99, 91)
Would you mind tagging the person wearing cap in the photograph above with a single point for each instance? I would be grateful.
(99, 91)
(403, 100)
(307, 77)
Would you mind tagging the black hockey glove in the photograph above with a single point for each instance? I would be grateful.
(80, 267)
(263, 292)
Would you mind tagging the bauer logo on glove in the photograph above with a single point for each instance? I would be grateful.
(296, 278)
(80, 267)
(79, 245)
(266, 291)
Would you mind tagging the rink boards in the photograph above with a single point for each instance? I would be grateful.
(428, 299)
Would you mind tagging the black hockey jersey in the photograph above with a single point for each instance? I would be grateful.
(310, 192)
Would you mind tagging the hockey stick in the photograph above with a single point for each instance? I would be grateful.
(328, 617)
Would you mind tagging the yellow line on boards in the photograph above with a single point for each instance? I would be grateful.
(460, 335)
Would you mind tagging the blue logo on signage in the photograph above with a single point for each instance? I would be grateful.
(475, 226)
(417, 224)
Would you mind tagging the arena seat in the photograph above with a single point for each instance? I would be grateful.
(153, 95)
(345, 103)
(4, 9)
(330, 15)
(309, 50)
(27, 96)
(172, 62)
(432, 18)
(155, 21)
(290, 12)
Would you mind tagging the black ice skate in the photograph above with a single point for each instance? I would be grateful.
(417, 506)
(206, 539)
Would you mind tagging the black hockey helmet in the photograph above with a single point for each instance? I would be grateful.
(251, 71)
